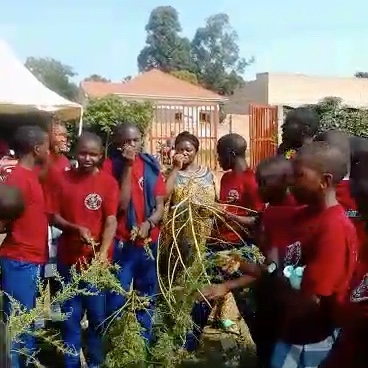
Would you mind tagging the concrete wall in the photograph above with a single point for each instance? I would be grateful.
(235, 124)
(300, 89)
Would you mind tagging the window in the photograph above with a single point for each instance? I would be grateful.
(178, 116)
(204, 117)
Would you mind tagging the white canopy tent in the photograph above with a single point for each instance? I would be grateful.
(21, 92)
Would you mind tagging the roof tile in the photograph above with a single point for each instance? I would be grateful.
(153, 84)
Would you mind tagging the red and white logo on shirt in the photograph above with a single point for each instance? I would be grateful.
(293, 254)
(360, 293)
(141, 182)
(233, 196)
(93, 201)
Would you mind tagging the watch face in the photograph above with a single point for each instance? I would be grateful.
(272, 267)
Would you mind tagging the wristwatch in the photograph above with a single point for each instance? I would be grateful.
(272, 267)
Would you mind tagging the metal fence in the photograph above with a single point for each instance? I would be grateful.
(200, 120)
(262, 133)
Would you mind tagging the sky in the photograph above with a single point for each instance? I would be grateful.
(318, 37)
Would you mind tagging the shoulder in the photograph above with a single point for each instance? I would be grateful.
(106, 179)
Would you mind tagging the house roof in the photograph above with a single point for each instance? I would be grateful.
(153, 84)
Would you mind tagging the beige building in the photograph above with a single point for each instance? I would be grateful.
(293, 90)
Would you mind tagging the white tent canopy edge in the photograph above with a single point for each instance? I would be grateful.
(21, 92)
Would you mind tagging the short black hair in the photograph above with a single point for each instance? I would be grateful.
(90, 136)
(27, 137)
(336, 138)
(275, 165)
(121, 128)
(306, 118)
(324, 158)
(187, 137)
(233, 143)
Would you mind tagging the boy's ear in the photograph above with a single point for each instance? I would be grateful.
(327, 180)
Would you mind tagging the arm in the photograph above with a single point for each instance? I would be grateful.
(110, 208)
(243, 220)
(58, 221)
(156, 215)
(125, 188)
(170, 181)
(108, 234)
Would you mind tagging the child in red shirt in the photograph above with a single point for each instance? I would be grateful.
(238, 188)
(323, 244)
(84, 207)
(50, 174)
(142, 194)
(24, 249)
(350, 349)
(341, 140)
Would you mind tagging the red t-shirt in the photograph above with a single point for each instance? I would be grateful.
(351, 348)
(58, 164)
(326, 244)
(85, 201)
(348, 203)
(238, 190)
(137, 194)
(276, 235)
(27, 239)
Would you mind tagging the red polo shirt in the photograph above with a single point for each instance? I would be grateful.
(348, 203)
(84, 200)
(27, 239)
(276, 234)
(137, 195)
(326, 244)
(240, 191)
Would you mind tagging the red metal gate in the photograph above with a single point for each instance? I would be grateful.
(170, 120)
(262, 133)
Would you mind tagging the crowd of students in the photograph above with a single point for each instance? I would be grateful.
(307, 214)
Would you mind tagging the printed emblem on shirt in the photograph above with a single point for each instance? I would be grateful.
(360, 293)
(293, 254)
(233, 196)
(141, 183)
(93, 201)
(352, 213)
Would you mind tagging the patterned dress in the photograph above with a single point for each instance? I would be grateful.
(187, 221)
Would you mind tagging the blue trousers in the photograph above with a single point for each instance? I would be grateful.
(137, 267)
(19, 280)
(95, 307)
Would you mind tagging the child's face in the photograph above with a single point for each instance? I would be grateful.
(89, 155)
(59, 139)
(308, 185)
(41, 151)
(224, 159)
(131, 136)
(292, 134)
(272, 187)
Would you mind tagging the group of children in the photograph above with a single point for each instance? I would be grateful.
(303, 318)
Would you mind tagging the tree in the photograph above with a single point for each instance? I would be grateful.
(127, 79)
(54, 75)
(185, 75)
(165, 49)
(361, 74)
(335, 115)
(103, 114)
(217, 57)
(96, 78)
